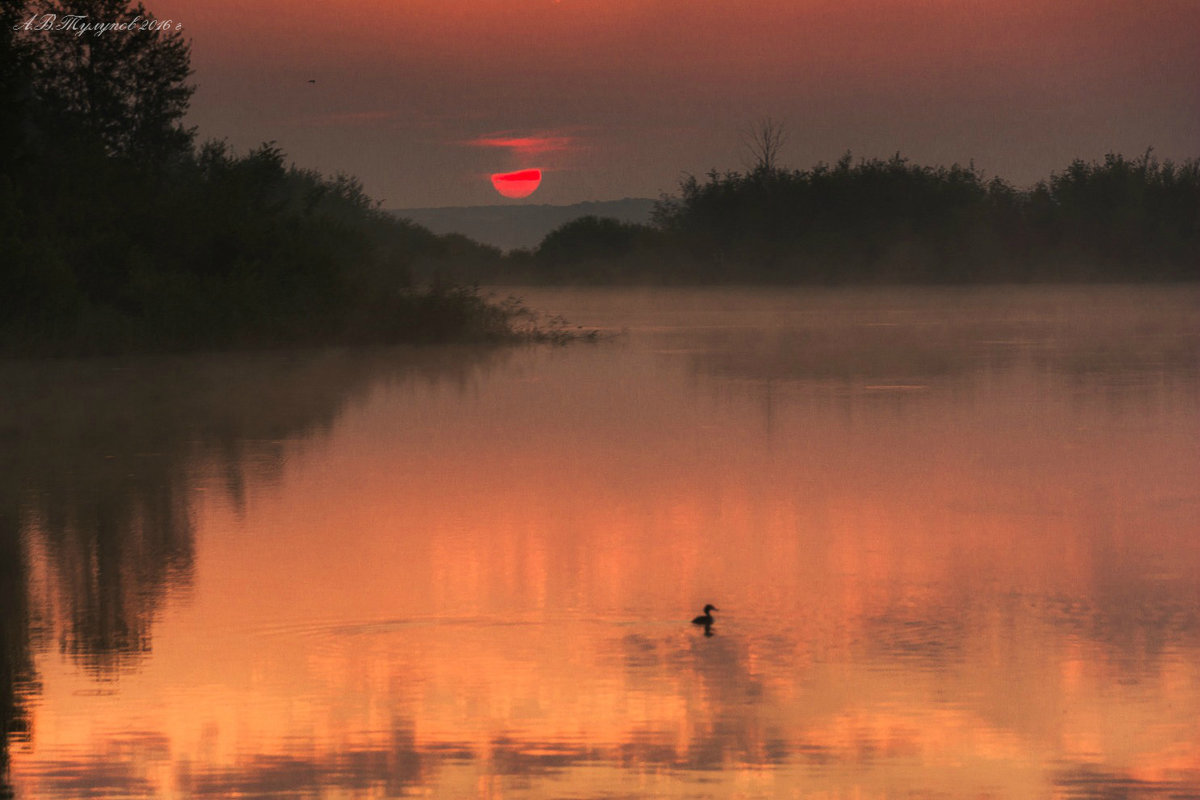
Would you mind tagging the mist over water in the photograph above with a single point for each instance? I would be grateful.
(951, 534)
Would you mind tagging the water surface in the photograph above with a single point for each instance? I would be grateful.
(952, 535)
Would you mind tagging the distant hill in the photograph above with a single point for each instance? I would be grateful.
(510, 227)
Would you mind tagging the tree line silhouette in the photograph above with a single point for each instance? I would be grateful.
(119, 232)
(893, 221)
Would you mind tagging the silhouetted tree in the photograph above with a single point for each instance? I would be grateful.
(589, 237)
(589, 247)
(16, 89)
(896, 221)
(1125, 213)
(763, 141)
(123, 89)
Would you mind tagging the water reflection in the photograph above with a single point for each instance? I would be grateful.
(392, 769)
(879, 341)
(954, 549)
(1087, 782)
(128, 765)
(17, 679)
(98, 469)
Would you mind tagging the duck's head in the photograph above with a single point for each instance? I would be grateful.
(709, 608)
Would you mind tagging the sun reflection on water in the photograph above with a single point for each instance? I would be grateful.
(472, 574)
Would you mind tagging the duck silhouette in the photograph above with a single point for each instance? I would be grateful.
(706, 618)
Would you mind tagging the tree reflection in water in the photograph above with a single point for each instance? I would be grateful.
(930, 587)
(99, 461)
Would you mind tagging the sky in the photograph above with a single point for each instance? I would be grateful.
(423, 100)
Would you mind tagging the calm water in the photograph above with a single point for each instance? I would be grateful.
(954, 537)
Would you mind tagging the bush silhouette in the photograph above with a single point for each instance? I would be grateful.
(890, 220)
(120, 234)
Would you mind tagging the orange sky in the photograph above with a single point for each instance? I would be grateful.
(647, 90)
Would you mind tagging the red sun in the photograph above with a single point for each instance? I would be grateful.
(517, 184)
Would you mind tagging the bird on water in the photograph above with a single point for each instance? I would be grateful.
(706, 618)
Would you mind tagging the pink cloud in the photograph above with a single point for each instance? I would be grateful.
(527, 145)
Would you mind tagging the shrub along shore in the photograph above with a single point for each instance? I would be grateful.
(119, 233)
(895, 222)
